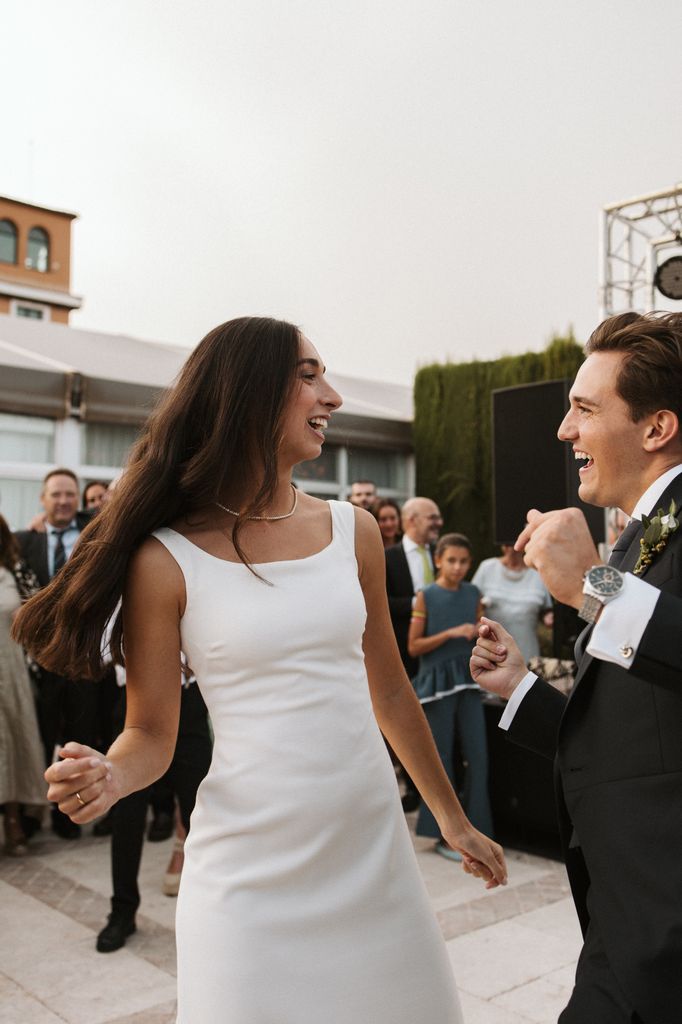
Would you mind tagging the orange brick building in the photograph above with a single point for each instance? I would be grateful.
(35, 261)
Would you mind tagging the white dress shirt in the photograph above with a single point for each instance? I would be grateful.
(621, 625)
(415, 562)
(69, 538)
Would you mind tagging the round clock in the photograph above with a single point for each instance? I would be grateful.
(668, 278)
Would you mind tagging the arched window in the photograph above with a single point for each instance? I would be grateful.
(8, 242)
(38, 250)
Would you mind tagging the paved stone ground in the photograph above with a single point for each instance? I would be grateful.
(513, 951)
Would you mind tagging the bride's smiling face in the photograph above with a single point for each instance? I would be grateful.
(310, 406)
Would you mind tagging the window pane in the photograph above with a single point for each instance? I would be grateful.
(386, 469)
(323, 468)
(8, 242)
(19, 501)
(30, 312)
(108, 444)
(38, 250)
(26, 439)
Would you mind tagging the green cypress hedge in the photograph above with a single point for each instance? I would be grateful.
(452, 431)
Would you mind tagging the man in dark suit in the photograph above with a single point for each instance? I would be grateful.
(409, 568)
(617, 741)
(66, 707)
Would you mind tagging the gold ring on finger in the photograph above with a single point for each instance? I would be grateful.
(80, 800)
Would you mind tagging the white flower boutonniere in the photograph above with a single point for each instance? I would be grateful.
(657, 532)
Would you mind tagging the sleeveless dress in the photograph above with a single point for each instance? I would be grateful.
(301, 899)
(446, 670)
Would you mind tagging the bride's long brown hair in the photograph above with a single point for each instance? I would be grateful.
(220, 421)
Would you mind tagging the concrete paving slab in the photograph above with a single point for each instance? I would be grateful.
(513, 950)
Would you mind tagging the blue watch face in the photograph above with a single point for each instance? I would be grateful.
(605, 580)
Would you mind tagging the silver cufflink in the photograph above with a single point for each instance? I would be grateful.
(626, 651)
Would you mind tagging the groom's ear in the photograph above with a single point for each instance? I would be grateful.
(661, 428)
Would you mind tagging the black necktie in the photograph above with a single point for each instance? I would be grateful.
(623, 543)
(59, 551)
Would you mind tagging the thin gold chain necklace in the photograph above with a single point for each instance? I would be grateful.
(270, 519)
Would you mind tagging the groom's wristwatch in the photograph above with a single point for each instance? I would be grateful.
(601, 584)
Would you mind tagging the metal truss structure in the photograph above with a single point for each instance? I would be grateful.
(634, 235)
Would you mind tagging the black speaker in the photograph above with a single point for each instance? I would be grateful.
(531, 467)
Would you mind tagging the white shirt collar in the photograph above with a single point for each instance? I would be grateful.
(409, 544)
(654, 492)
(58, 529)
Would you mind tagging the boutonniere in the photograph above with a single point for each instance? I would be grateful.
(657, 532)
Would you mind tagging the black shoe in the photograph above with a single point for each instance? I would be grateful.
(114, 934)
(29, 825)
(410, 801)
(63, 826)
(160, 828)
(103, 827)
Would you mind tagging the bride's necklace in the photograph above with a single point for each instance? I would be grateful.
(270, 519)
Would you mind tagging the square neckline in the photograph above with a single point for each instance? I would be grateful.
(259, 565)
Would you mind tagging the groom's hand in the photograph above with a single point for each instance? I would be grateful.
(496, 663)
(559, 545)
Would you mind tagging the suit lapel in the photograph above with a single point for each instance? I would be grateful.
(406, 583)
(42, 556)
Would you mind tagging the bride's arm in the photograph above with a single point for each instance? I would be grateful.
(399, 713)
(153, 603)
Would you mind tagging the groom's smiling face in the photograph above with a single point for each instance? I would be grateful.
(606, 442)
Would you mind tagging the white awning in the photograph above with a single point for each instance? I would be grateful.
(121, 377)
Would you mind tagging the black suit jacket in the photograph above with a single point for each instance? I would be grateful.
(617, 745)
(33, 548)
(400, 593)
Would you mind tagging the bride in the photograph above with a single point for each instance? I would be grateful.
(301, 898)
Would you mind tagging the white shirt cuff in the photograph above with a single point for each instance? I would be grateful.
(515, 700)
(621, 625)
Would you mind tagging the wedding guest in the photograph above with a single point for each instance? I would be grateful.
(386, 511)
(66, 707)
(299, 858)
(22, 787)
(363, 494)
(617, 740)
(442, 632)
(189, 764)
(515, 595)
(409, 568)
(93, 495)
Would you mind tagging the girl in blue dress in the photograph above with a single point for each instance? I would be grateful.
(442, 633)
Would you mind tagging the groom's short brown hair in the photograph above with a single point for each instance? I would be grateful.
(650, 376)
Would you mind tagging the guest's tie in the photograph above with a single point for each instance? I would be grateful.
(623, 543)
(426, 563)
(59, 551)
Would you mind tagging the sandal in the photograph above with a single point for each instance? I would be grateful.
(171, 880)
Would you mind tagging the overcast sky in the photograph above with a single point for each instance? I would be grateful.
(406, 180)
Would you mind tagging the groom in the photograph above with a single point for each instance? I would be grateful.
(617, 741)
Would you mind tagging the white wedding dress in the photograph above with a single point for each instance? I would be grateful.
(301, 901)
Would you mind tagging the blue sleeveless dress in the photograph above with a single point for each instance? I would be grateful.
(446, 670)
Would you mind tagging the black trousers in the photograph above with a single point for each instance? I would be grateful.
(190, 763)
(67, 710)
(597, 996)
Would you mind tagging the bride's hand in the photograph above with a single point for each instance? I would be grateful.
(481, 857)
(82, 783)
